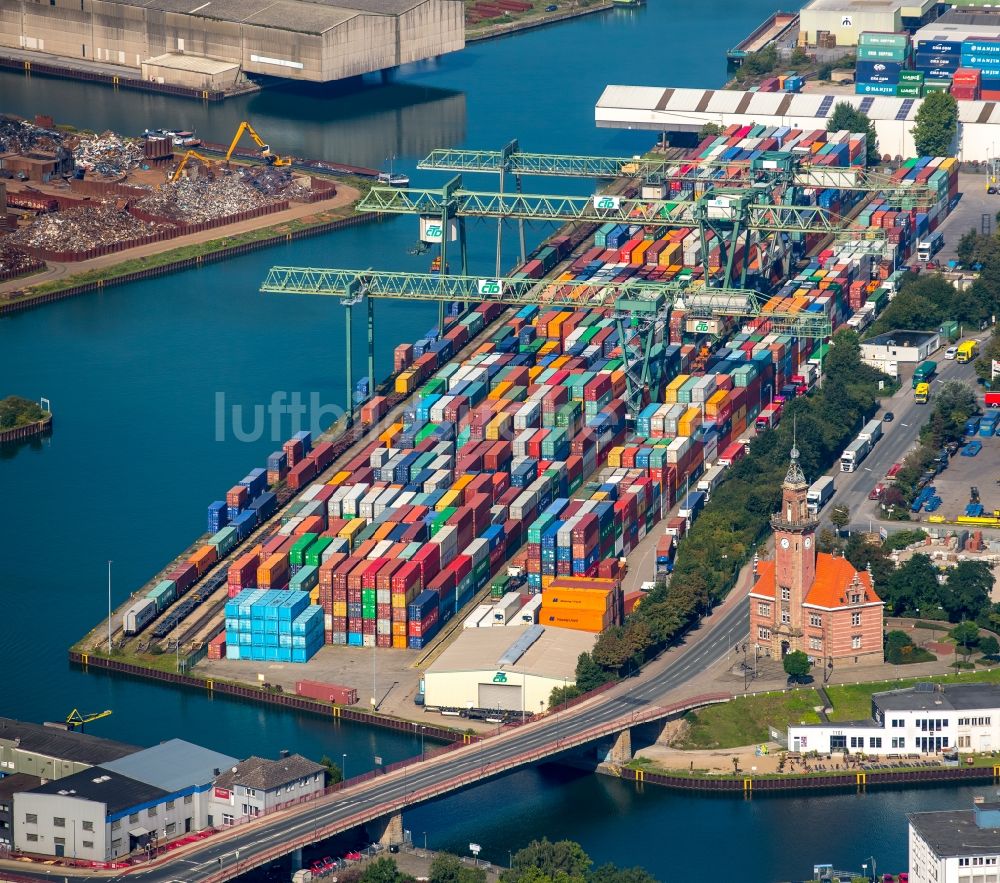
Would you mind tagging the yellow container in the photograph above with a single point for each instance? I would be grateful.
(450, 498)
(670, 393)
(498, 392)
(405, 382)
(339, 478)
(462, 481)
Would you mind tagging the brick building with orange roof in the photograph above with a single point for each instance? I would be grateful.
(809, 601)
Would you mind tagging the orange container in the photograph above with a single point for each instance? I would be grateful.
(203, 559)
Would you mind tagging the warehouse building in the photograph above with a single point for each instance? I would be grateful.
(514, 668)
(955, 846)
(51, 751)
(925, 719)
(9, 786)
(105, 812)
(845, 19)
(210, 45)
(664, 110)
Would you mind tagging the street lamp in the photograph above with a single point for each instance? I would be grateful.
(422, 731)
(343, 768)
(425, 841)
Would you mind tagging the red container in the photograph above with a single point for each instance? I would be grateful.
(301, 474)
(237, 497)
(327, 692)
(294, 451)
(183, 576)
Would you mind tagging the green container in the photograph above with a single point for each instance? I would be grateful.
(297, 555)
(911, 76)
(936, 86)
(314, 554)
(949, 329)
(224, 541)
(305, 579)
(891, 54)
(909, 90)
(875, 38)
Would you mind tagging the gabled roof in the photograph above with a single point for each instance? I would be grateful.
(834, 576)
(264, 774)
(765, 579)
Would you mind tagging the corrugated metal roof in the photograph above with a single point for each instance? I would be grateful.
(173, 765)
(62, 744)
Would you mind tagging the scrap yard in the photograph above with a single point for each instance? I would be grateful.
(70, 198)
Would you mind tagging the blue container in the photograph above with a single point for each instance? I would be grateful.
(265, 506)
(277, 461)
(218, 516)
(245, 523)
(877, 71)
(255, 482)
(306, 438)
(939, 47)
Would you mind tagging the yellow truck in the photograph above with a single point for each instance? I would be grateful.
(967, 351)
(921, 393)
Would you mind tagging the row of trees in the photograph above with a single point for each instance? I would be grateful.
(727, 532)
(541, 861)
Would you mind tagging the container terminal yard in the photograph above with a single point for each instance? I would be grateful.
(504, 473)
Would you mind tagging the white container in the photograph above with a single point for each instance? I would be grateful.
(483, 611)
(506, 608)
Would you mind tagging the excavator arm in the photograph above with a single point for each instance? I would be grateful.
(265, 150)
(191, 154)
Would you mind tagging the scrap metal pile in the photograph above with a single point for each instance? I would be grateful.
(274, 182)
(13, 260)
(80, 229)
(108, 154)
(194, 200)
(20, 136)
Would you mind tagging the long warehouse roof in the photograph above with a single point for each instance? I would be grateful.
(307, 16)
(668, 109)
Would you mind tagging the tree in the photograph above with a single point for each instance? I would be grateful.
(936, 125)
(912, 587)
(448, 868)
(382, 870)
(967, 591)
(589, 675)
(966, 247)
(334, 773)
(796, 665)
(840, 517)
(966, 635)
(710, 130)
(845, 116)
(560, 695)
(989, 646)
(610, 873)
(564, 858)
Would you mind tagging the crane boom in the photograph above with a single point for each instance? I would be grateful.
(265, 149)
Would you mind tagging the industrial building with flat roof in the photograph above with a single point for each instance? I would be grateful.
(955, 846)
(510, 668)
(52, 751)
(665, 109)
(209, 45)
(845, 19)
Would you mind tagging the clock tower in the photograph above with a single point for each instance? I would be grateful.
(794, 557)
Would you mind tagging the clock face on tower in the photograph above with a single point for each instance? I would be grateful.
(784, 542)
(808, 542)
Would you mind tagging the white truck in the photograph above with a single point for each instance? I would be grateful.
(505, 609)
(710, 480)
(819, 493)
(854, 454)
(871, 432)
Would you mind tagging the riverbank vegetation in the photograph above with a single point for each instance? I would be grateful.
(728, 532)
(16, 411)
(746, 720)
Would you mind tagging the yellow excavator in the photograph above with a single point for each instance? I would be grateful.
(265, 151)
(191, 154)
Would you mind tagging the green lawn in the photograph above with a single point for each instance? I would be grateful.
(853, 702)
(745, 720)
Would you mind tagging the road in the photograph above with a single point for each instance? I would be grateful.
(897, 440)
(218, 855)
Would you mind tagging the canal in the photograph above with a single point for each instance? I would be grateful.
(144, 440)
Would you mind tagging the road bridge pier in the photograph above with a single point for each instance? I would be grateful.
(386, 831)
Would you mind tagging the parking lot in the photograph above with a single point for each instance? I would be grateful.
(980, 471)
(975, 210)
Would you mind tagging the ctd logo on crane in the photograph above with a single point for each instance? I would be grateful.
(500, 678)
(489, 287)
(607, 202)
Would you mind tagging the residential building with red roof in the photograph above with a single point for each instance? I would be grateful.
(808, 600)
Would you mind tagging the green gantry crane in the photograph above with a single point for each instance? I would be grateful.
(641, 308)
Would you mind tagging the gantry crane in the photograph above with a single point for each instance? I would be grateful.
(641, 307)
(76, 720)
(265, 150)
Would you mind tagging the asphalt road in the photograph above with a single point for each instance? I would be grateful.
(897, 440)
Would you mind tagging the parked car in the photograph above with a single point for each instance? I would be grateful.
(888, 417)
(951, 352)
(876, 492)
(353, 856)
